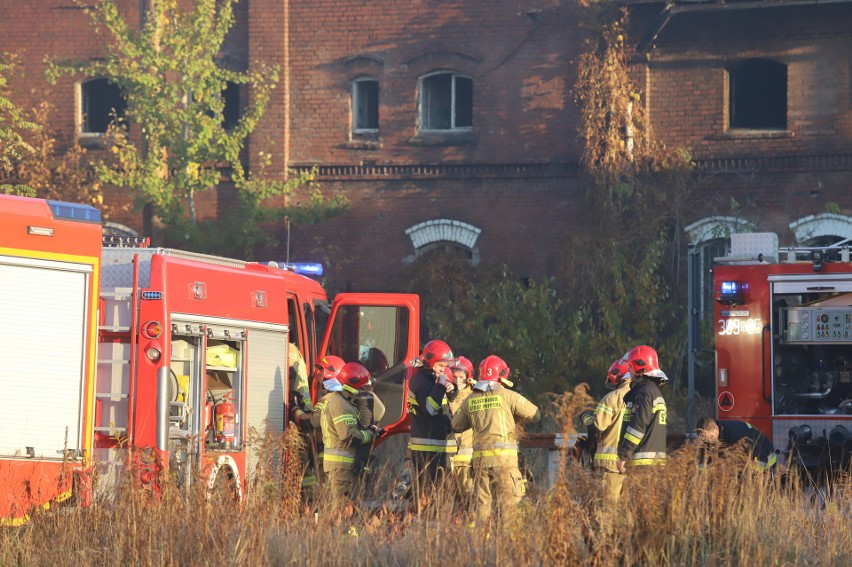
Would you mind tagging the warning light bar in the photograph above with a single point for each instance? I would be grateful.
(74, 211)
(307, 268)
(314, 269)
(731, 293)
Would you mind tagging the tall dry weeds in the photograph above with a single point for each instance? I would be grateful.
(726, 513)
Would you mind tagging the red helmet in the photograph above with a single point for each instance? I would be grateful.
(331, 366)
(644, 362)
(620, 370)
(449, 374)
(436, 351)
(461, 363)
(353, 376)
(493, 369)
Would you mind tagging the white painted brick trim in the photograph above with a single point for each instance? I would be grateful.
(823, 224)
(443, 230)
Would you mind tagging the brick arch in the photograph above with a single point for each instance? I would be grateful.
(445, 230)
(364, 65)
(717, 226)
(447, 60)
(118, 229)
(823, 224)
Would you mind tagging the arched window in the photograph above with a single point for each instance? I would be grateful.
(433, 234)
(446, 102)
(758, 95)
(823, 229)
(712, 238)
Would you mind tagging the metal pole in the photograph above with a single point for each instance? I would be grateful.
(692, 331)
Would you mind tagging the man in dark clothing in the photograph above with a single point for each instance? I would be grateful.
(432, 441)
(644, 439)
(714, 434)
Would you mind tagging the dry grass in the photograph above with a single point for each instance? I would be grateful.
(726, 514)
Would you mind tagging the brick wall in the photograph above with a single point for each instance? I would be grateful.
(513, 177)
(769, 178)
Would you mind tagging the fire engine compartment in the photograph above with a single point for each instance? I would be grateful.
(812, 353)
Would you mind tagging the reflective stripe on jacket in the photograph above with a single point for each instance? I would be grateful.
(341, 431)
(432, 445)
(644, 439)
(492, 415)
(610, 415)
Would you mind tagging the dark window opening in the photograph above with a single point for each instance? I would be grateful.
(365, 105)
(102, 103)
(231, 109)
(446, 102)
(758, 95)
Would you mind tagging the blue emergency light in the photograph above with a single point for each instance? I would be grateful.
(730, 293)
(74, 211)
(314, 269)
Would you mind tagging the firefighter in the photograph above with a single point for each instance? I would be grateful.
(461, 462)
(301, 409)
(371, 410)
(715, 435)
(342, 431)
(432, 438)
(644, 439)
(606, 425)
(492, 410)
(326, 370)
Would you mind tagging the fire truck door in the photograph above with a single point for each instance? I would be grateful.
(381, 331)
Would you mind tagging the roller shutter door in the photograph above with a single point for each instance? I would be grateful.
(43, 310)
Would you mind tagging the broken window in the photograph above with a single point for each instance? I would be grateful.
(365, 105)
(446, 102)
(758, 95)
(102, 102)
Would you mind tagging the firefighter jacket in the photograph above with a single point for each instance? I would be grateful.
(341, 431)
(491, 410)
(734, 432)
(610, 415)
(300, 394)
(464, 439)
(644, 440)
(431, 430)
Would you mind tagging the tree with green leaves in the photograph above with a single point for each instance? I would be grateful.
(172, 142)
(13, 146)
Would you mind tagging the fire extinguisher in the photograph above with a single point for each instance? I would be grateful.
(225, 420)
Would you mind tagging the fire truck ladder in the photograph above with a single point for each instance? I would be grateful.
(114, 357)
(115, 381)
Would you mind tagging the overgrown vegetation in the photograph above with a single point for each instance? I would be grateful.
(725, 514)
(621, 282)
(173, 143)
(13, 147)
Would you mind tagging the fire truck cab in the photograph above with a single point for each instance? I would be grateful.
(783, 334)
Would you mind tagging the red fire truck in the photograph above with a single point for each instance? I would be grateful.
(784, 344)
(49, 272)
(178, 364)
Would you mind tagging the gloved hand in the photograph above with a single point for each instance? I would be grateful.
(588, 417)
(442, 380)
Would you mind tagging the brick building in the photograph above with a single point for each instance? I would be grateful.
(453, 123)
(760, 94)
